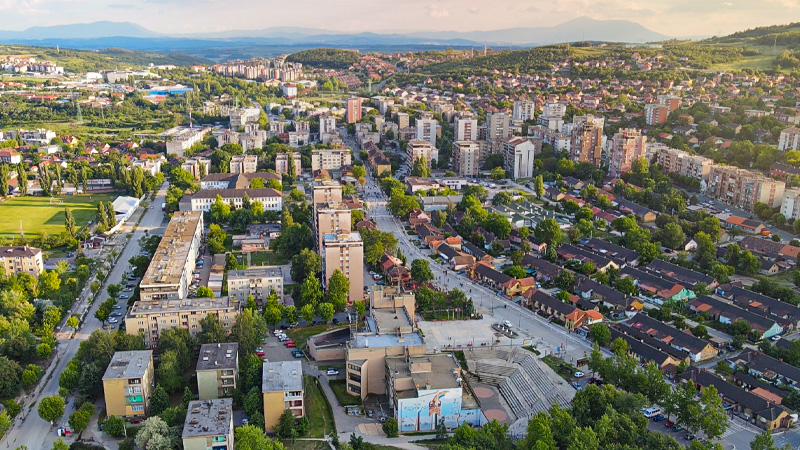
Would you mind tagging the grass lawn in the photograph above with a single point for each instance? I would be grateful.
(38, 215)
(267, 258)
(319, 413)
(301, 334)
(345, 399)
(306, 445)
(564, 369)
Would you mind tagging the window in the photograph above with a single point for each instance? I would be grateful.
(134, 381)
(219, 439)
(137, 408)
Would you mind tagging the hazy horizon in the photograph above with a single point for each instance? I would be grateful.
(675, 18)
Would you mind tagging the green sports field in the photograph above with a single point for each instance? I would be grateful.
(37, 214)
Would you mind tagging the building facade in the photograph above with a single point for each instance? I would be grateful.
(628, 145)
(427, 130)
(683, 163)
(467, 158)
(209, 425)
(743, 188)
(282, 163)
(282, 388)
(255, 281)
(422, 149)
(151, 317)
(128, 383)
(353, 109)
(330, 158)
(519, 155)
(789, 139)
(465, 129)
(22, 259)
(270, 199)
(217, 370)
(587, 139)
(345, 252)
(244, 164)
(524, 110)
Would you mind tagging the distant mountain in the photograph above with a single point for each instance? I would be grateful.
(582, 28)
(81, 31)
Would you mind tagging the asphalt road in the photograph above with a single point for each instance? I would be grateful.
(30, 430)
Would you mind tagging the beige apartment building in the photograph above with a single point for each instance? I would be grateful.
(465, 129)
(345, 252)
(627, 145)
(198, 167)
(151, 317)
(326, 191)
(331, 218)
(683, 163)
(330, 158)
(217, 370)
(353, 109)
(22, 259)
(244, 164)
(255, 281)
(391, 331)
(169, 275)
(208, 425)
(789, 139)
(467, 158)
(498, 126)
(422, 149)
(743, 188)
(587, 139)
(128, 383)
(282, 163)
(282, 388)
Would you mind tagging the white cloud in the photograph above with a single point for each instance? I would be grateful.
(728, 4)
(438, 12)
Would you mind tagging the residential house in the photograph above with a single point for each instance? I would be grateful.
(786, 314)
(570, 252)
(217, 370)
(613, 251)
(655, 289)
(728, 313)
(698, 349)
(641, 213)
(686, 277)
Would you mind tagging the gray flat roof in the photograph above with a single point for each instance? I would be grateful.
(282, 376)
(386, 340)
(209, 418)
(130, 364)
(218, 356)
(263, 271)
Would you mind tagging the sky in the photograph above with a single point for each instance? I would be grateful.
(676, 18)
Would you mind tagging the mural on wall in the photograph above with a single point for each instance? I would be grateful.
(424, 412)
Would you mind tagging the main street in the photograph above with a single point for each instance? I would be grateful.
(30, 430)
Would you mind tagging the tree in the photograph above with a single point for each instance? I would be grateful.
(204, 292)
(273, 316)
(113, 289)
(538, 186)
(211, 330)
(250, 437)
(159, 401)
(338, 290)
(326, 311)
(706, 250)
(286, 425)
(58, 445)
(22, 176)
(304, 263)
(69, 222)
(749, 263)
(502, 198)
(548, 231)
(51, 408)
(420, 168)
(671, 236)
(498, 173)
(115, 426)
(311, 291)
(498, 224)
(600, 334)
(307, 313)
(564, 280)
(390, 428)
(248, 330)
(169, 371)
(713, 418)
(154, 435)
(104, 310)
(515, 272)
(421, 271)
(290, 314)
(80, 419)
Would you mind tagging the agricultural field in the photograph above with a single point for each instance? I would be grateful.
(39, 214)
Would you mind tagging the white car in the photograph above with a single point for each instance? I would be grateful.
(332, 372)
(579, 374)
(112, 320)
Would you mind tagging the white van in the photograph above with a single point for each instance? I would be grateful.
(651, 412)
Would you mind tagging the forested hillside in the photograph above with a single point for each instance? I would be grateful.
(326, 58)
(88, 60)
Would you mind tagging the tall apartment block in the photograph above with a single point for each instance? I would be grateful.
(327, 124)
(169, 274)
(282, 388)
(345, 252)
(465, 130)
(587, 139)
(497, 126)
(331, 218)
(467, 158)
(519, 155)
(427, 130)
(552, 116)
(330, 158)
(422, 149)
(244, 164)
(683, 163)
(524, 110)
(128, 383)
(743, 188)
(789, 139)
(353, 109)
(217, 370)
(403, 120)
(282, 162)
(655, 114)
(257, 281)
(628, 145)
(326, 191)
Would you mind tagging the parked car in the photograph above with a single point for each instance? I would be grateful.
(576, 385)
(290, 344)
(658, 418)
(298, 354)
(677, 427)
(117, 307)
(332, 372)
(113, 320)
(124, 296)
(669, 424)
(690, 437)
(127, 289)
(579, 374)
(116, 314)
(288, 341)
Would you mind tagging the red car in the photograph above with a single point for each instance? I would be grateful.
(289, 344)
(261, 353)
(669, 424)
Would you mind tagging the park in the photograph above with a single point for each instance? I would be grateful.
(35, 215)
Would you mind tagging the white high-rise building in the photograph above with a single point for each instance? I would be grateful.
(426, 130)
(466, 130)
(524, 110)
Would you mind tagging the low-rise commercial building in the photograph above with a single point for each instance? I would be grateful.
(256, 281)
(282, 388)
(21, 259)
(151, 317)
(128, 383)
(209, 425)
(169, 274)
(217, 370)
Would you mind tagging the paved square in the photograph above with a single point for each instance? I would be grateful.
(439, 335)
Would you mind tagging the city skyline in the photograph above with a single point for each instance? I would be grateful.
(676, 18)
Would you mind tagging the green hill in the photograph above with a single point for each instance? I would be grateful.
(89, 60)
(326, 58)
